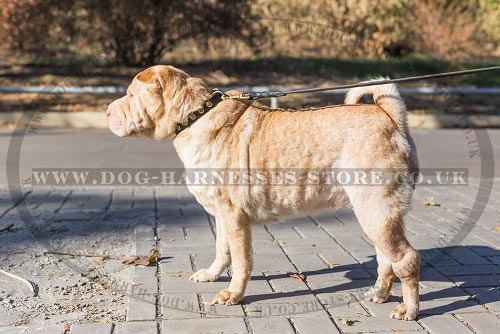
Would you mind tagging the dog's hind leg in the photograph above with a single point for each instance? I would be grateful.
(222, 258)
(379, 293)
(380, 212)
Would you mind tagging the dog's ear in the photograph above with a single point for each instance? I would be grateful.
(180, 93)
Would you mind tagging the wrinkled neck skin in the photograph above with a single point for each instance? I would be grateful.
(178, 104)
(205, 143)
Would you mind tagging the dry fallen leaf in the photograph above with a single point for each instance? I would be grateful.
(153, 256)
(98, 260)
(131, 260)
(349, 322)
(176, 273)
(66, 327)
(297, 276)
(497, 228)
(429, 201)
(331, 264)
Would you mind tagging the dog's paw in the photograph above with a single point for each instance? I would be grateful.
(376, 295)
(203, 275)
(226, 297)
(403, 312)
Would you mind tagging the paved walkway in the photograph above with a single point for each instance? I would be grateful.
(459, 284)
(82, 246)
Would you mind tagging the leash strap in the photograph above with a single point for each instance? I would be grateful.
(266, 95)
(218, 95)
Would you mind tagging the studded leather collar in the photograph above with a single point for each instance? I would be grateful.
(192, 117)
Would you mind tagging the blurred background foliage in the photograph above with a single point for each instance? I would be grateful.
(141, 33)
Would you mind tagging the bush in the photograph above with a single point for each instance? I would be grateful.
(143, 32)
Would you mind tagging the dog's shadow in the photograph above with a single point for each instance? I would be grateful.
(434, 269)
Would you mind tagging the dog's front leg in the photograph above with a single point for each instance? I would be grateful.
(222, 257)
(239, 235)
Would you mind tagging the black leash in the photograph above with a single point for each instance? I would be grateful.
(218, 95)
(266, 95)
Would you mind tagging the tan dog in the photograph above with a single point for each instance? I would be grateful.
(240, 135)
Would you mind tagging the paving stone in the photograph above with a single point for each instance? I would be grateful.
(469, 270)
(173, 263)
(453, 293)
(494, 259)
(144, 247)
(446, 306)
(314, 325)
(437, 258)
(340, 259)
(186, 248)
(143, 232)
(200, 235)
(260, 233)
(488, 296)
(283, 305)
(253, 287)
(204, 326)
(265, 246)
(307, 262)
(355, 243)
(180, 306)
(91, 329)
(45, 330)
(430, 307)
(377, 324)
(283, 232)
(149, 327)
(272, 262)
(366, 258)
(271, 325)
(141, 308)
(283, 283)
(145, 279)
(311, 231)
(484, 323)
(465, 256)
(13, 330)
(220, 310)
(313, 248)
(476, 281)
(339, 274)
(430, 278)
(341, 286)
(324, 242)
(202, 261)
(342, 304)
(168, 233)
(444, 323)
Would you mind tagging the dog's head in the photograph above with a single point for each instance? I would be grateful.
(157, 99)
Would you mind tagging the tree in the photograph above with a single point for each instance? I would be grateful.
(140, 32)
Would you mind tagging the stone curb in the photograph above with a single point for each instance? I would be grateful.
(97, 120)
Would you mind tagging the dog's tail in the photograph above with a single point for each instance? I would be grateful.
(386, 97)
